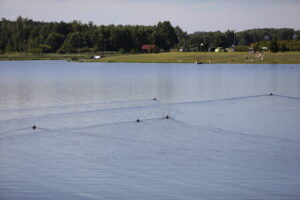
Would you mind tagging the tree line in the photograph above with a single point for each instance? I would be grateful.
(26, 35)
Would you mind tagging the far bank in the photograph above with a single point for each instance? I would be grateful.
(170, 57)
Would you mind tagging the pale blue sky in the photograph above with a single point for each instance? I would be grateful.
(191, 15)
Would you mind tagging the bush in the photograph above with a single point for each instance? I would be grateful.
(283, 47)
(242, 48)
(194, 49)
(122, 51)
(84, 50)
(45, 48)
(61, 51)
(294, 48)
(72, 51)
(35, 50)
(156, 50)
(133, 51)
(66, 50)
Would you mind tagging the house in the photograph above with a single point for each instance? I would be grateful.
(147, 48)
(96, 57)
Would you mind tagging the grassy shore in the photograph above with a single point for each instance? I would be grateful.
(52, 56)
(173, 57)
(48, 56)
(206, 57)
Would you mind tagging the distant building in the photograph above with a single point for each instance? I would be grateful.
(146, 48)
(219, 49)
(96, 57)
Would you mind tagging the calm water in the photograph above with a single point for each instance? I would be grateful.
(226, 137)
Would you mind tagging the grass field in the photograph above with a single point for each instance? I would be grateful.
(206, 57)
(173, 57)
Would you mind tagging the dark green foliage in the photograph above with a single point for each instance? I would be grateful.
(45, 48)
(156, 50)
(274, 45)
(257, 46)
(74, 41)
(242, 48)
(183, 38)
(55, 40)
(283, 47)
(165, 36)
(25, 35)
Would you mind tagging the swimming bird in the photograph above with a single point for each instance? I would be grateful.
(271, 94)
(138, 120)
(33, 127)
(154, 99)
(167, 117)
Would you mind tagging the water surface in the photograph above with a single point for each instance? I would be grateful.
(226, 137)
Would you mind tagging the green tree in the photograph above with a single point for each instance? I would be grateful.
(74, 41)
(274, 45)
(165, 36)
(257, 46)
(55, 40)
(182, 38)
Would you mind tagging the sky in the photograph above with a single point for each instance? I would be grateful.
(190, 15)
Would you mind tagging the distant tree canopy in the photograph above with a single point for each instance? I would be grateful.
(26, 35)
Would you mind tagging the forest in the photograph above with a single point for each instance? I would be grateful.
(25, 35)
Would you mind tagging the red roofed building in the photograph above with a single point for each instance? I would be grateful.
(148, 48)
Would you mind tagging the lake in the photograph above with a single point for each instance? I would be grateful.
(225, 136)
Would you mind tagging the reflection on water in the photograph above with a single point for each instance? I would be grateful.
(43, 83)
(88, 145)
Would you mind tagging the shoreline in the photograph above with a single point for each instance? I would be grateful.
(170, 57)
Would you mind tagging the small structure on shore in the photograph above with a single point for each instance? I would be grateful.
(147, 48)
(96, 57)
